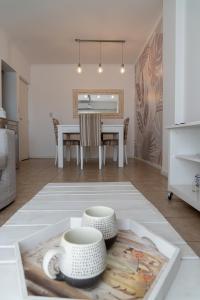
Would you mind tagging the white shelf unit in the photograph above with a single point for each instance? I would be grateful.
(195, 158)
(184, 161)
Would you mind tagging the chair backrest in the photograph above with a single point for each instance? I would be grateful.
(55, 123)
(13, 125)
(90, 129)
(126, 122)
(3, 122)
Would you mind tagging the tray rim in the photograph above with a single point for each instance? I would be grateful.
(159, 287)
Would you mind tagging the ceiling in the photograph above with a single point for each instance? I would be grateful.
(45, 30)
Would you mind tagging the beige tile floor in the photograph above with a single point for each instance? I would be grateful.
(33, 174)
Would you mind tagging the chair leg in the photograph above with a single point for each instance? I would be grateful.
(115, 153)
(104, 155)
(77, 155)
(56, 156)
(125, 155)
(100, 157)
(86, 150)
(68, 153)
(81, 157)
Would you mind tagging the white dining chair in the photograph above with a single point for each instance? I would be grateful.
(68, 141)
(114, 141)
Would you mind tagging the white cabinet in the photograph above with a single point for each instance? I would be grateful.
(184, 162)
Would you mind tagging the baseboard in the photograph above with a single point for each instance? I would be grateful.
(164, 173)
(149, 163)
(73, 156)
(131, 156)
(41, 156)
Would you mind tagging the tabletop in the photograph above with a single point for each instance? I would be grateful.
(56, 201)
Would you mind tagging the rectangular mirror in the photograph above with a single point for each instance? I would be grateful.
(107, 102)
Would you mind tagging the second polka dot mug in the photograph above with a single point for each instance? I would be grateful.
(104, 219)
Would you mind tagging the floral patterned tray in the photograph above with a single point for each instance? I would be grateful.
(140, 265)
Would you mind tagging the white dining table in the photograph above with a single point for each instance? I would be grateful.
(58, 201)
(115, 128)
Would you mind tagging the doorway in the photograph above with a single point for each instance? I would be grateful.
(9, 101)
(9, 91)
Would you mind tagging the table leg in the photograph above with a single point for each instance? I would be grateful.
(60, 149)
(121, 148)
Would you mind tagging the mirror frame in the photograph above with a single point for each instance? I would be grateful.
(120, 93)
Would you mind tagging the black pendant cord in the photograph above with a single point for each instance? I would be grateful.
(79, 53)
(100, 53)
(122, 54)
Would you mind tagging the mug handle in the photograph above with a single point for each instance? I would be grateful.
(48, 257)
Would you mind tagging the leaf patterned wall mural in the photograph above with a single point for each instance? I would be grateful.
(149, 100)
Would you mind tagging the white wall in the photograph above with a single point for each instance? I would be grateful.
(51, 91)
(14, 58)
(192, 61)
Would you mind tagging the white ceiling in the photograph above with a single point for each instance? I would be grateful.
(45, 29)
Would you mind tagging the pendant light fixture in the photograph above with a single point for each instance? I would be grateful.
(79, 67)
(100, 69)
(122, 69)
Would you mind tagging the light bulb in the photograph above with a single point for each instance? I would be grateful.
(100, 69)
(79, 69)
(122, 69)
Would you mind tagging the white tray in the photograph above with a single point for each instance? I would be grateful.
(158, 289)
